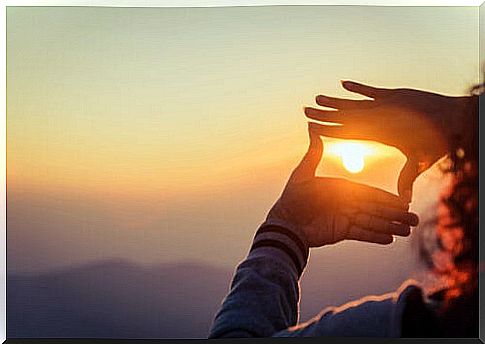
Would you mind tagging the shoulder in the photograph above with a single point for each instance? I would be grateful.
(371, 316)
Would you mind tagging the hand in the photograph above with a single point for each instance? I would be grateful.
(420, 124)
(328, 210)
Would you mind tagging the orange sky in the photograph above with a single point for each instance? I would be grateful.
(167, 134)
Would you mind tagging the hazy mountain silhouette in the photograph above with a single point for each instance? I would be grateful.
(116, 299)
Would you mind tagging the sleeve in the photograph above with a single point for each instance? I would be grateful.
(264, 294)
(370, 316)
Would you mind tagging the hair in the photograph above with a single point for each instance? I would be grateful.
(455, 257)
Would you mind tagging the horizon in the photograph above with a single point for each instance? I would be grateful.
(139, 133)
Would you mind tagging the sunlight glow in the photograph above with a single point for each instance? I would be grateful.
(352, 154)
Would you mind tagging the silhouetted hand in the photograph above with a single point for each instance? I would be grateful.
(328, 210)
(420, 124)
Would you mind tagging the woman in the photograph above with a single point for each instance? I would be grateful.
(315, 212)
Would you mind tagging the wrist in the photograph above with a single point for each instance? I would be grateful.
(276, 234)
(289, 225)
(280, 216)
(460, 120)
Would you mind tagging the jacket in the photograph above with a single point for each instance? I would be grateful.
(264, 297)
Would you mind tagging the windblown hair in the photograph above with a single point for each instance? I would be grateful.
(456, 233)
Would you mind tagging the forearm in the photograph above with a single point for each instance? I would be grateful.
(264, 292)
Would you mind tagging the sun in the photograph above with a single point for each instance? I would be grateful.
(352, 154)
(352, 162)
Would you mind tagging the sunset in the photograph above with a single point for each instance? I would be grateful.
(163, 136)
(352, 154)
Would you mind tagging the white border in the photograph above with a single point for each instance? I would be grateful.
(142, 3)
(213, 3)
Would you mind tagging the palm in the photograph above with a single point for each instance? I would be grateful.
(330, 210)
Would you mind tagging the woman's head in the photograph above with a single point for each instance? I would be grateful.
(456, 256)
(457, 229)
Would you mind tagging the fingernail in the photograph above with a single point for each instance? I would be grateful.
(320, 98)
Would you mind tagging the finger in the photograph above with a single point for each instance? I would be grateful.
(344, 104)
(378, 224)
(341, 132)
(360, 234)
(407, 176)
(308, 165)
(329, 116)
(368, 91)
(389, 214)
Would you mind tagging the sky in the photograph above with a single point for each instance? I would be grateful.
(166, 134)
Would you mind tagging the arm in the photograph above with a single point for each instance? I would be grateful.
(264, 292)
(311, 212)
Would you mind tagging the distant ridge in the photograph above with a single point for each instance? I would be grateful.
(121, 299)
(116, 299)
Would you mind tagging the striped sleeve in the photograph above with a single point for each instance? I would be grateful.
(283, 238)
(265, 292)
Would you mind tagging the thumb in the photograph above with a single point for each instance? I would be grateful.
(307, 167)
(408, 175)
